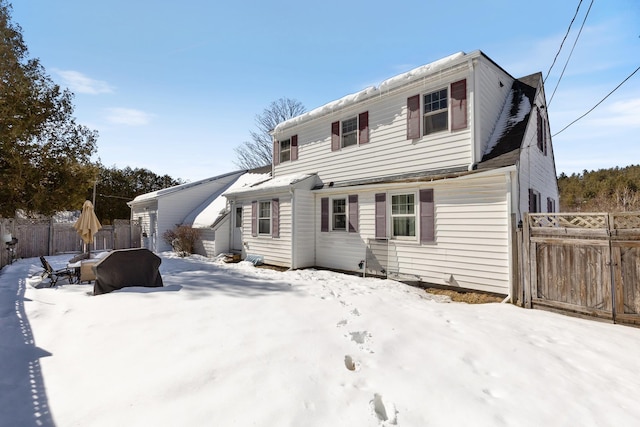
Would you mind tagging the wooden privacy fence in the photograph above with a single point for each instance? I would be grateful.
(583, 263)
(45, 237)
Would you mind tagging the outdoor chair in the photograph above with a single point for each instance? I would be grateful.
(54, 275)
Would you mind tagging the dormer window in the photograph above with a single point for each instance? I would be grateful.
(436, 112)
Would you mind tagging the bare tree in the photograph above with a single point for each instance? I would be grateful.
(259, 151)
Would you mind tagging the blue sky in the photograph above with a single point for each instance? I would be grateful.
(174, 86)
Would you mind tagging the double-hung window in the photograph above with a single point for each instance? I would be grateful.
(436, 111)
(403, 215)
(349, 132)
(285, 150)
(442, 110)
(264, 217)
(339, 215)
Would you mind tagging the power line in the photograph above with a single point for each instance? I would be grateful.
(601, 101)
(570, 53)
(563, 40)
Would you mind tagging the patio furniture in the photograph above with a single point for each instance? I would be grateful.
(127, 267)
(55, 275)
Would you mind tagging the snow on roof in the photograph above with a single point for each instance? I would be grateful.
(275, 183)
(210, 213)
(155, 194)
(385, 86)
(517, 107)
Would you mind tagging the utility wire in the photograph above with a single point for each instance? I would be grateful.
(570, 53)
(563, 40)
(601, 101)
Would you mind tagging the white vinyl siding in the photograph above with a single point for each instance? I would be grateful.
(537, 170)
(472, 237)
(275, 251)
(303, 246)
(388, 149)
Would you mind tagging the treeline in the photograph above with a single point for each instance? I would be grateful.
(115, 187)
(605, 190)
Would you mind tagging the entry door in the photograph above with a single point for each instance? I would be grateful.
(236, 244)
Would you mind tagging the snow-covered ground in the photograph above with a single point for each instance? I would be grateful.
(232, 345)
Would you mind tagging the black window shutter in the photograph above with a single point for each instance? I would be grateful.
(427, 216)
(276, 152)
(413, 117)
(381, 215)
(459, 105)
(275, 218)
(363, 127)
(324, 214)
(335, 136)
(540, 130)
(353, 213)
(254, 218)
(294, 147)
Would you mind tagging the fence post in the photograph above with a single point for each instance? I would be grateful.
(526, 261)
(51, 238)
(617, 300)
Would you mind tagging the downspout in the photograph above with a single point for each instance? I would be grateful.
(293, 227)
(232, 225)
(474, 112)
(510, 236)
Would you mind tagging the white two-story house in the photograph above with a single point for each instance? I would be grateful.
(424, 177)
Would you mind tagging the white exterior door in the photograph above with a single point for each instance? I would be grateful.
(236, 240)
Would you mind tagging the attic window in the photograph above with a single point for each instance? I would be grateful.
(350, 132)
(436, 116)
(285, 150)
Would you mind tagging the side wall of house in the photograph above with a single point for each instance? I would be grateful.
(206, 245)
(471, 247)
(173, 207)
(274, 250)
(221, 237)
(143, 212)
(304, 230)
(537, 167)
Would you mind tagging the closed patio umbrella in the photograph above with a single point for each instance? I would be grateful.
(87, 225)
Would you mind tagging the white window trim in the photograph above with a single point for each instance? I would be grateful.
(355, 132)
(282, 151)
(390, 216)
(332, 214)
(260, 202)
(433, 113)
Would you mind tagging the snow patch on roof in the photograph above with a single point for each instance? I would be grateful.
(275, 183)
(385, 86)
(417, 73)
(218, 206)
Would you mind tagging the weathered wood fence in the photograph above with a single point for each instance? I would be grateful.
(588, 264)
(45, 237)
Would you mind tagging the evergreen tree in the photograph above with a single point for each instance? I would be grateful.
(44, 154)
(115, 187)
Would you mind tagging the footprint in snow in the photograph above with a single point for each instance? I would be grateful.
(360, 337)
(351, 364)
(387, 414)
